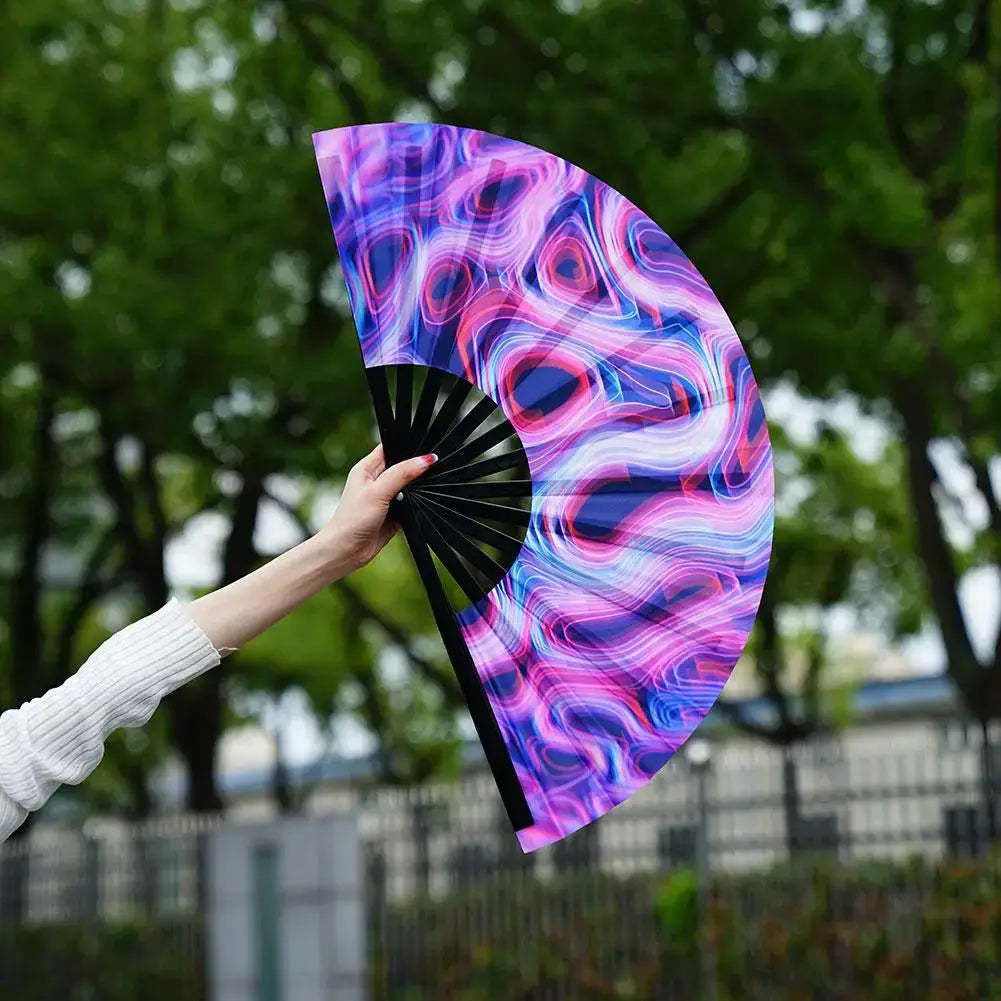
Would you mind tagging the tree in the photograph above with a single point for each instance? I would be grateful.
(364, 648)
(834, 172)
(900, 198)
(894, 186)
(167, 281)
(843, 540)
(167, 278)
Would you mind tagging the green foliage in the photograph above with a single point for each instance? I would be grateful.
(590, 936)
(677, 909)
(112, 962)
(844, 533)
(167, 290)
(168, 286)
(886, 930)
(882, 930)
(848, 219)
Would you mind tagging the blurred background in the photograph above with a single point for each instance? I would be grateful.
(181, 396)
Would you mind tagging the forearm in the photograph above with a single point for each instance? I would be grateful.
(233, 615)
(59, 738)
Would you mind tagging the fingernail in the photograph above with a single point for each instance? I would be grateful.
(399, 496)
(429, 460)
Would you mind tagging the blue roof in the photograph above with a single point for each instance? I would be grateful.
(910, 696)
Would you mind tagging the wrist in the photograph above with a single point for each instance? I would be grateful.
(332, 554)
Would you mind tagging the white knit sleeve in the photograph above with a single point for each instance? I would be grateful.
(59, 738)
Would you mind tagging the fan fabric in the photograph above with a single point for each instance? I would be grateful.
(613, 632)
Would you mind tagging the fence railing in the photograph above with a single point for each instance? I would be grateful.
(427, 841)
(447, 879)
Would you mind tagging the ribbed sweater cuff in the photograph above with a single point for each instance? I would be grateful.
(59, 738)
(144, 662)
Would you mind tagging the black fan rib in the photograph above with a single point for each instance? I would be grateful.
(458, 538)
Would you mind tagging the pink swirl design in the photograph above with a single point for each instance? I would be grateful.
(616, 628)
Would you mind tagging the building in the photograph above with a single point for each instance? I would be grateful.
(903, 778)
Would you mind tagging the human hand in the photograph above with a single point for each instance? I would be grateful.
(360, 527)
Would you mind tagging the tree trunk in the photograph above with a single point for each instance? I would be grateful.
(281, 784)
(941, 574)
(29, 673)
(196, 723)
(137, 779)
(990, 781)
(790, 801)
(196, 712)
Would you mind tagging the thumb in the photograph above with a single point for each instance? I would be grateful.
(394, 479)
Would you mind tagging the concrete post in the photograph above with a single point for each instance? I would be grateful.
(286, 912)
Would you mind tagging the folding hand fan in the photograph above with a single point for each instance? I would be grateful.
(595, 536)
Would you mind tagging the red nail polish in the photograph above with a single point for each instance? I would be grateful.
(429, 459)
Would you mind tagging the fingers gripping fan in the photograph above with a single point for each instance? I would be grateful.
(595, 537)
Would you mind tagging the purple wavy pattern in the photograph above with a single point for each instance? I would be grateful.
(620, 621)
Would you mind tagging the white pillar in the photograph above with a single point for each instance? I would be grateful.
(286, 912)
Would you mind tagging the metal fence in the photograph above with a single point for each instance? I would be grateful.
(449, 885)
(107, 872)
(747, 809)
(459, 911)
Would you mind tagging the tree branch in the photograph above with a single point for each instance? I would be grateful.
(406, 76)
(811, 683)
(92, 586)
(941, 372)
(318, 53)
(768, 665)
(954, 118)
(896, 270)
(150, 486)
(997, 171)
(378, 720)
(997, 251)
(288, 803)
(444, 681)
(527, 54)
(239, 553)
(940, 570)
(27, 667)
(886, 261)
(732, 711)
(146, 565)
(724, 205)
(889, 93)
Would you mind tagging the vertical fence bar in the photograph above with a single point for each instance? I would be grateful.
(15, 865)
(90, 881)
(707, 957)
(267, 909)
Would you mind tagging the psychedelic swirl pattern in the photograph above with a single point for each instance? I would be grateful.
(618, 624)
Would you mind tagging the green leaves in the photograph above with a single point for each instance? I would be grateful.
(677, 909)
(165, 268)
(167, 274)
(863, 259)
